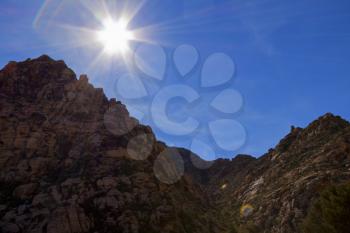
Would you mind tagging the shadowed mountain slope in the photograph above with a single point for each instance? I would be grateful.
(69, 161)
(73, 161)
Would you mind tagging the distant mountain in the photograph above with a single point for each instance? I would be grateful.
(73, 161)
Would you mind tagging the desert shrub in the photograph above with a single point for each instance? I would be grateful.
(330, 213)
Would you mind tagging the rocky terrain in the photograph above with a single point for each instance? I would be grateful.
(73, 161)
(273, 193)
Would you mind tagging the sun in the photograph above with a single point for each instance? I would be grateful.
(115, 36)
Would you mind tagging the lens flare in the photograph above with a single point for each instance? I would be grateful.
(115, 36)
(246, 210)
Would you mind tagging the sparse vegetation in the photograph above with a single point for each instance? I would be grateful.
(331, 212)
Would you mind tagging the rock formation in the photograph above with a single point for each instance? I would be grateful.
(279, 187)
(73, 161)
(68, 163)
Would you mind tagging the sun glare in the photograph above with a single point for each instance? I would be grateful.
(115, 36)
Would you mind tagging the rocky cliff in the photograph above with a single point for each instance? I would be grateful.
(73, 161)
(273, 193)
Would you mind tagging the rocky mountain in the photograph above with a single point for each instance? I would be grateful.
(73, 161)
(273, 193)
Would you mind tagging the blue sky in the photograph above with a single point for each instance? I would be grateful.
(291, 57)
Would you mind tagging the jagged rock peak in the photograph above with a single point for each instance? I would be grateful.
(45, 58)
(44, 61)
(325, 125)
(83, 78)
(330, 118)
(33, 79)
(41, 59)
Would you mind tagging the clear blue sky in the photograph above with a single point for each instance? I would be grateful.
(292, 57)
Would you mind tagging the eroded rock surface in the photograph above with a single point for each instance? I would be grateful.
(73, 161)
(65, 164)
(279, 187)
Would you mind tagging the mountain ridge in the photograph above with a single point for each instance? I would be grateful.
(73, 161)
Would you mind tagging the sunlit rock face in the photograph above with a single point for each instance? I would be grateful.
(73, 161)
(279, 187)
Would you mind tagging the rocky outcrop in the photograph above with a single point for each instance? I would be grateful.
(73, 161)
(279, 187)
